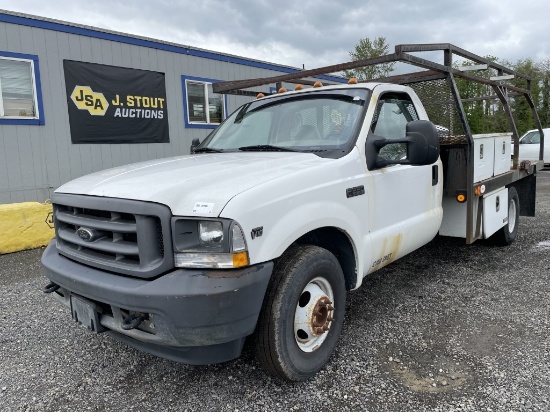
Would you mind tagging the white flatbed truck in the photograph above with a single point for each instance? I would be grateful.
(283, 209)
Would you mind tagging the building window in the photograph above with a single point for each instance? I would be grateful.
(203, 108)
(20, 98)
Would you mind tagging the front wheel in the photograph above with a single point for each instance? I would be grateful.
(303, 313)
(509, 232)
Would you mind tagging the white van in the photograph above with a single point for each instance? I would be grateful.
(529, 146)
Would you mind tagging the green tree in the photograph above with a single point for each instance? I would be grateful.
(522, 112)
(366, 49)
(488, 116)
(484, 116)
(544, 102)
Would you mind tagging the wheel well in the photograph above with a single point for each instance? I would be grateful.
(338, 243)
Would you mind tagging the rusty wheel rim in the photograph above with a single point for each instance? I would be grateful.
(314, 314)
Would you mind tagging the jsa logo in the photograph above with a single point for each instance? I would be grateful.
(86, 99)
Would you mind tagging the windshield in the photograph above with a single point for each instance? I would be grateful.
(325, 123)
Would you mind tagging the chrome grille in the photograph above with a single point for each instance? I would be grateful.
(114, 234)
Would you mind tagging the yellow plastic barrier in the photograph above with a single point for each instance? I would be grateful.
(25, 226)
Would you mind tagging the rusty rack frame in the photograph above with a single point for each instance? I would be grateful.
(436, 71)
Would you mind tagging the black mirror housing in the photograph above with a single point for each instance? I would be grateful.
(194, 143)
(422, 142)
(423, 146)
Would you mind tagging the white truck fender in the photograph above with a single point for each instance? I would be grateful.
(291, 206)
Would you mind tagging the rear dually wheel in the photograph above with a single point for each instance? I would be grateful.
(509, 232)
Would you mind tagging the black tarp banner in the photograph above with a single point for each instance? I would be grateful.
(109, 104)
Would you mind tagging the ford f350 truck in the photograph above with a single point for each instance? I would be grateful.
(283, 209)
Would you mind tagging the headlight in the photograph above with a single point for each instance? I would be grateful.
(216, 243)
(210, 233)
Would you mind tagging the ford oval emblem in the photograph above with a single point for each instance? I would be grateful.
(85, 234)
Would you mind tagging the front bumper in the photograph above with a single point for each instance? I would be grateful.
(195, 316)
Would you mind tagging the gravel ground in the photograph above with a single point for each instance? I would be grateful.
(448, 328)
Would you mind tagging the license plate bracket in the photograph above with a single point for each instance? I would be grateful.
(86, 313)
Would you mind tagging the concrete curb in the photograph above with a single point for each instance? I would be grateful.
(25, 226)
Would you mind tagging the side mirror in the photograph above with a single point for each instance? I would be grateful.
(423, 148)
(422, 142)
(194, 145)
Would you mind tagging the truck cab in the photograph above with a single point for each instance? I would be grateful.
(350, 173)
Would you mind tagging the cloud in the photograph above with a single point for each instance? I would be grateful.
(315, 33)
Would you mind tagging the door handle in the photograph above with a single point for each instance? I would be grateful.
(435, 174)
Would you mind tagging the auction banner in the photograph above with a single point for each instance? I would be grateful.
(109, 104)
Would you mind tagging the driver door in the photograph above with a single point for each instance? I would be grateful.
(405, 201)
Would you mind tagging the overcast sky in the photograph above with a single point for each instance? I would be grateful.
(315, 33)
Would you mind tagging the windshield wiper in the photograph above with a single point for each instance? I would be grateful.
(207, 150)
(266, 148)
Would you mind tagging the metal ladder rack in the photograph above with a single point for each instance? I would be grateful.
(436, 85)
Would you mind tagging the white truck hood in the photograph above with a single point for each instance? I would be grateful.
(183, 182)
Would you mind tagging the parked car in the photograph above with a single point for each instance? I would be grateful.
(529, 145)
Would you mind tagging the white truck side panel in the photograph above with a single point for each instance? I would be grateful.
(405, 211)
(494, 217)
(491, 157)
(291, 206)
(503, 153)
(454, 218)
(495, 211)
(484, 156)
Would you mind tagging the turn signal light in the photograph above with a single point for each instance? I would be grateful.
(240, 259)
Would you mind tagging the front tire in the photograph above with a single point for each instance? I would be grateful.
(509, 232)
(302, 314)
